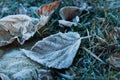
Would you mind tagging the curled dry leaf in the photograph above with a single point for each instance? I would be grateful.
(14, 65)
(48, 9)
(45, 11)
(56, 51)
(72, 13)
(114, 60)
(22, 27)
(69, 14)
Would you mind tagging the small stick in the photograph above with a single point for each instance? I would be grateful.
(86, 37)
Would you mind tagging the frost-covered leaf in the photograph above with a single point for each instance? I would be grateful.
(56, 51)
(67, 23)
(114, 60)
(20, 27)
(69, 14)
(3, 77)
(14, 65)
(72, 13)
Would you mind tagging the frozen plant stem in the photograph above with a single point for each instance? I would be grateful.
(86, 37)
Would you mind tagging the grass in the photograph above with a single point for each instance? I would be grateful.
(100, 21)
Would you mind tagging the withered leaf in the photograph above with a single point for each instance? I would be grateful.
(69, 14)
(56, 51)
(20, 27)
(14, 65)
(48, 9)
(45, 11)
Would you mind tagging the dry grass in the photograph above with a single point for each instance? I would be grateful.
(100, 22)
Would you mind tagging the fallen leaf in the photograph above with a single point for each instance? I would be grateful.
(69, 13)
(30, 74)
(114, 60)
(48, 9)
(14, 65)
(56, 51)
(22, 27)
(69, 16)
(45, 11)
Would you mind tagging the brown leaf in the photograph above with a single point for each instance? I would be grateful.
(20, 27)
(48, 9)
(45, 11)
(69, 13)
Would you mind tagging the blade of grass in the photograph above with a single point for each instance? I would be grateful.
(93, 54)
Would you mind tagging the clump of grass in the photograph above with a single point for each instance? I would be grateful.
(100, 21)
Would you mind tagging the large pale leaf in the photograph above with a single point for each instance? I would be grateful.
(56, 51)
(20, 27)
(14, 65)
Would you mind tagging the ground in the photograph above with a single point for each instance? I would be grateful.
(100, 21)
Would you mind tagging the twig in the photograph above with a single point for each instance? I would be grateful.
(86, 37)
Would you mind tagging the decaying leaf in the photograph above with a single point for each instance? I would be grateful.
(22, 27)
(69, 14)
(114, 60)
(56, 51)
(14, 65)
(48, 9)
(45, 11)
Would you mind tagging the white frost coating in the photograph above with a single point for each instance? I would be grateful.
(20, 27)
(67, 23)
(56, 51)
(3, 77)
(69, 15)
(14, 65)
